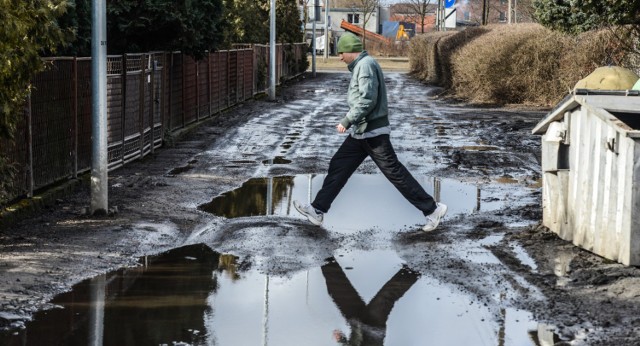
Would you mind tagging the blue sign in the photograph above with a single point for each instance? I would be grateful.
(449, 3)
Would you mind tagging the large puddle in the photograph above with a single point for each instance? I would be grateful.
(367, 200)
(195, 296)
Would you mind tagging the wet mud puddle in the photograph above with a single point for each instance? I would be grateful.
(193, 295)
(356, 207)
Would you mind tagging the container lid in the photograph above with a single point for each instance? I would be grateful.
(608, 78)
(619, 107)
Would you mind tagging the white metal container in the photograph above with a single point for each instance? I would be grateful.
(591, 172)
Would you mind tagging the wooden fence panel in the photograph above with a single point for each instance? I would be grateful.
(190, 89)
(147, 94)
(176, 85)
(84, 109)
(248, 74)
(115, 109)
(52, 119)
(204, 106)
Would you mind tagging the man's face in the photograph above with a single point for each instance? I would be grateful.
(348, 58)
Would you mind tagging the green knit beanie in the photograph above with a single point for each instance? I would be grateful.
(349, 43)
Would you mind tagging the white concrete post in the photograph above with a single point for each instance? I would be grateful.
(99, 162)
(272, 52)
(326, 30)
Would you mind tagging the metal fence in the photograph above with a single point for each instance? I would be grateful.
(148, 95)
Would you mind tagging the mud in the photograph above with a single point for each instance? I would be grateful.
(497, 253)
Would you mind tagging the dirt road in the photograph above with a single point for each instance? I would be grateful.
(482, 162)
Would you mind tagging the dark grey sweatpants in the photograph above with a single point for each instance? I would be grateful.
(351, 154)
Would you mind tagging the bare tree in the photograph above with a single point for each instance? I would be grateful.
(418, 11)
(523, 11)
(305, 10)
(368, 8)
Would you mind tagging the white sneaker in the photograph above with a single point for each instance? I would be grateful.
(433, 219)
(309, 212)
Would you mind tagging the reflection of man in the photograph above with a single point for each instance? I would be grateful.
(368, 321)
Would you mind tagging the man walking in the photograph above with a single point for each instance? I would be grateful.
(368, 123)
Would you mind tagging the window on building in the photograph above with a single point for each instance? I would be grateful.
(503, 16)
(353, 18)
(467, 15)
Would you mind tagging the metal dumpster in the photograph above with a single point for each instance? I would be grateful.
(591, 172)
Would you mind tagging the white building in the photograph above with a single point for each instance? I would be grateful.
(340, 10)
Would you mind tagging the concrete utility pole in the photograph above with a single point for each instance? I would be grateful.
(485, 12)
(440, 16)
(313, 38)
(99, 161)
(272, 52)
(326, 30)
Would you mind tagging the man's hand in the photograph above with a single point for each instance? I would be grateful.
(341, 129)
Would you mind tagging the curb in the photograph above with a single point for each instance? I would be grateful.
(28, 207)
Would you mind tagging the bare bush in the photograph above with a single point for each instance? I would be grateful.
(423, 60)
(591, 50)
(520, 63)
(510, 64)
(448, 46)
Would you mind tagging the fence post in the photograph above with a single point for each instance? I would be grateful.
(244, 74)
(184, 113)
(152, 104)
(254, 62)
(163, 100)
(143, 71)
(228, 78)
(209, 83)
(29, 148)
(123, 116)
(74, 106)
(240, 75)
(170, 97)
(197, 90)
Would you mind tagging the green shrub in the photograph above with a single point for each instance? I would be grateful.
(7, 174)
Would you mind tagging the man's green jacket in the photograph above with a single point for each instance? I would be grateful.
(367, 96)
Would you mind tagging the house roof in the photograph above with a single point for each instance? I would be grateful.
(428, 20)
(408, 8)
(342, 3)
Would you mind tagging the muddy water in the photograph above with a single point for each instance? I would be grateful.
(352, 209)
(195, 296)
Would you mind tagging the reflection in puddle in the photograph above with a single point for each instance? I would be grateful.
(278, 160)
(160, 302)
(274, 196)
(562, 266)
(193, 295)
(468, 147)
(506, 180)
(251, 199)
(524, 258)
